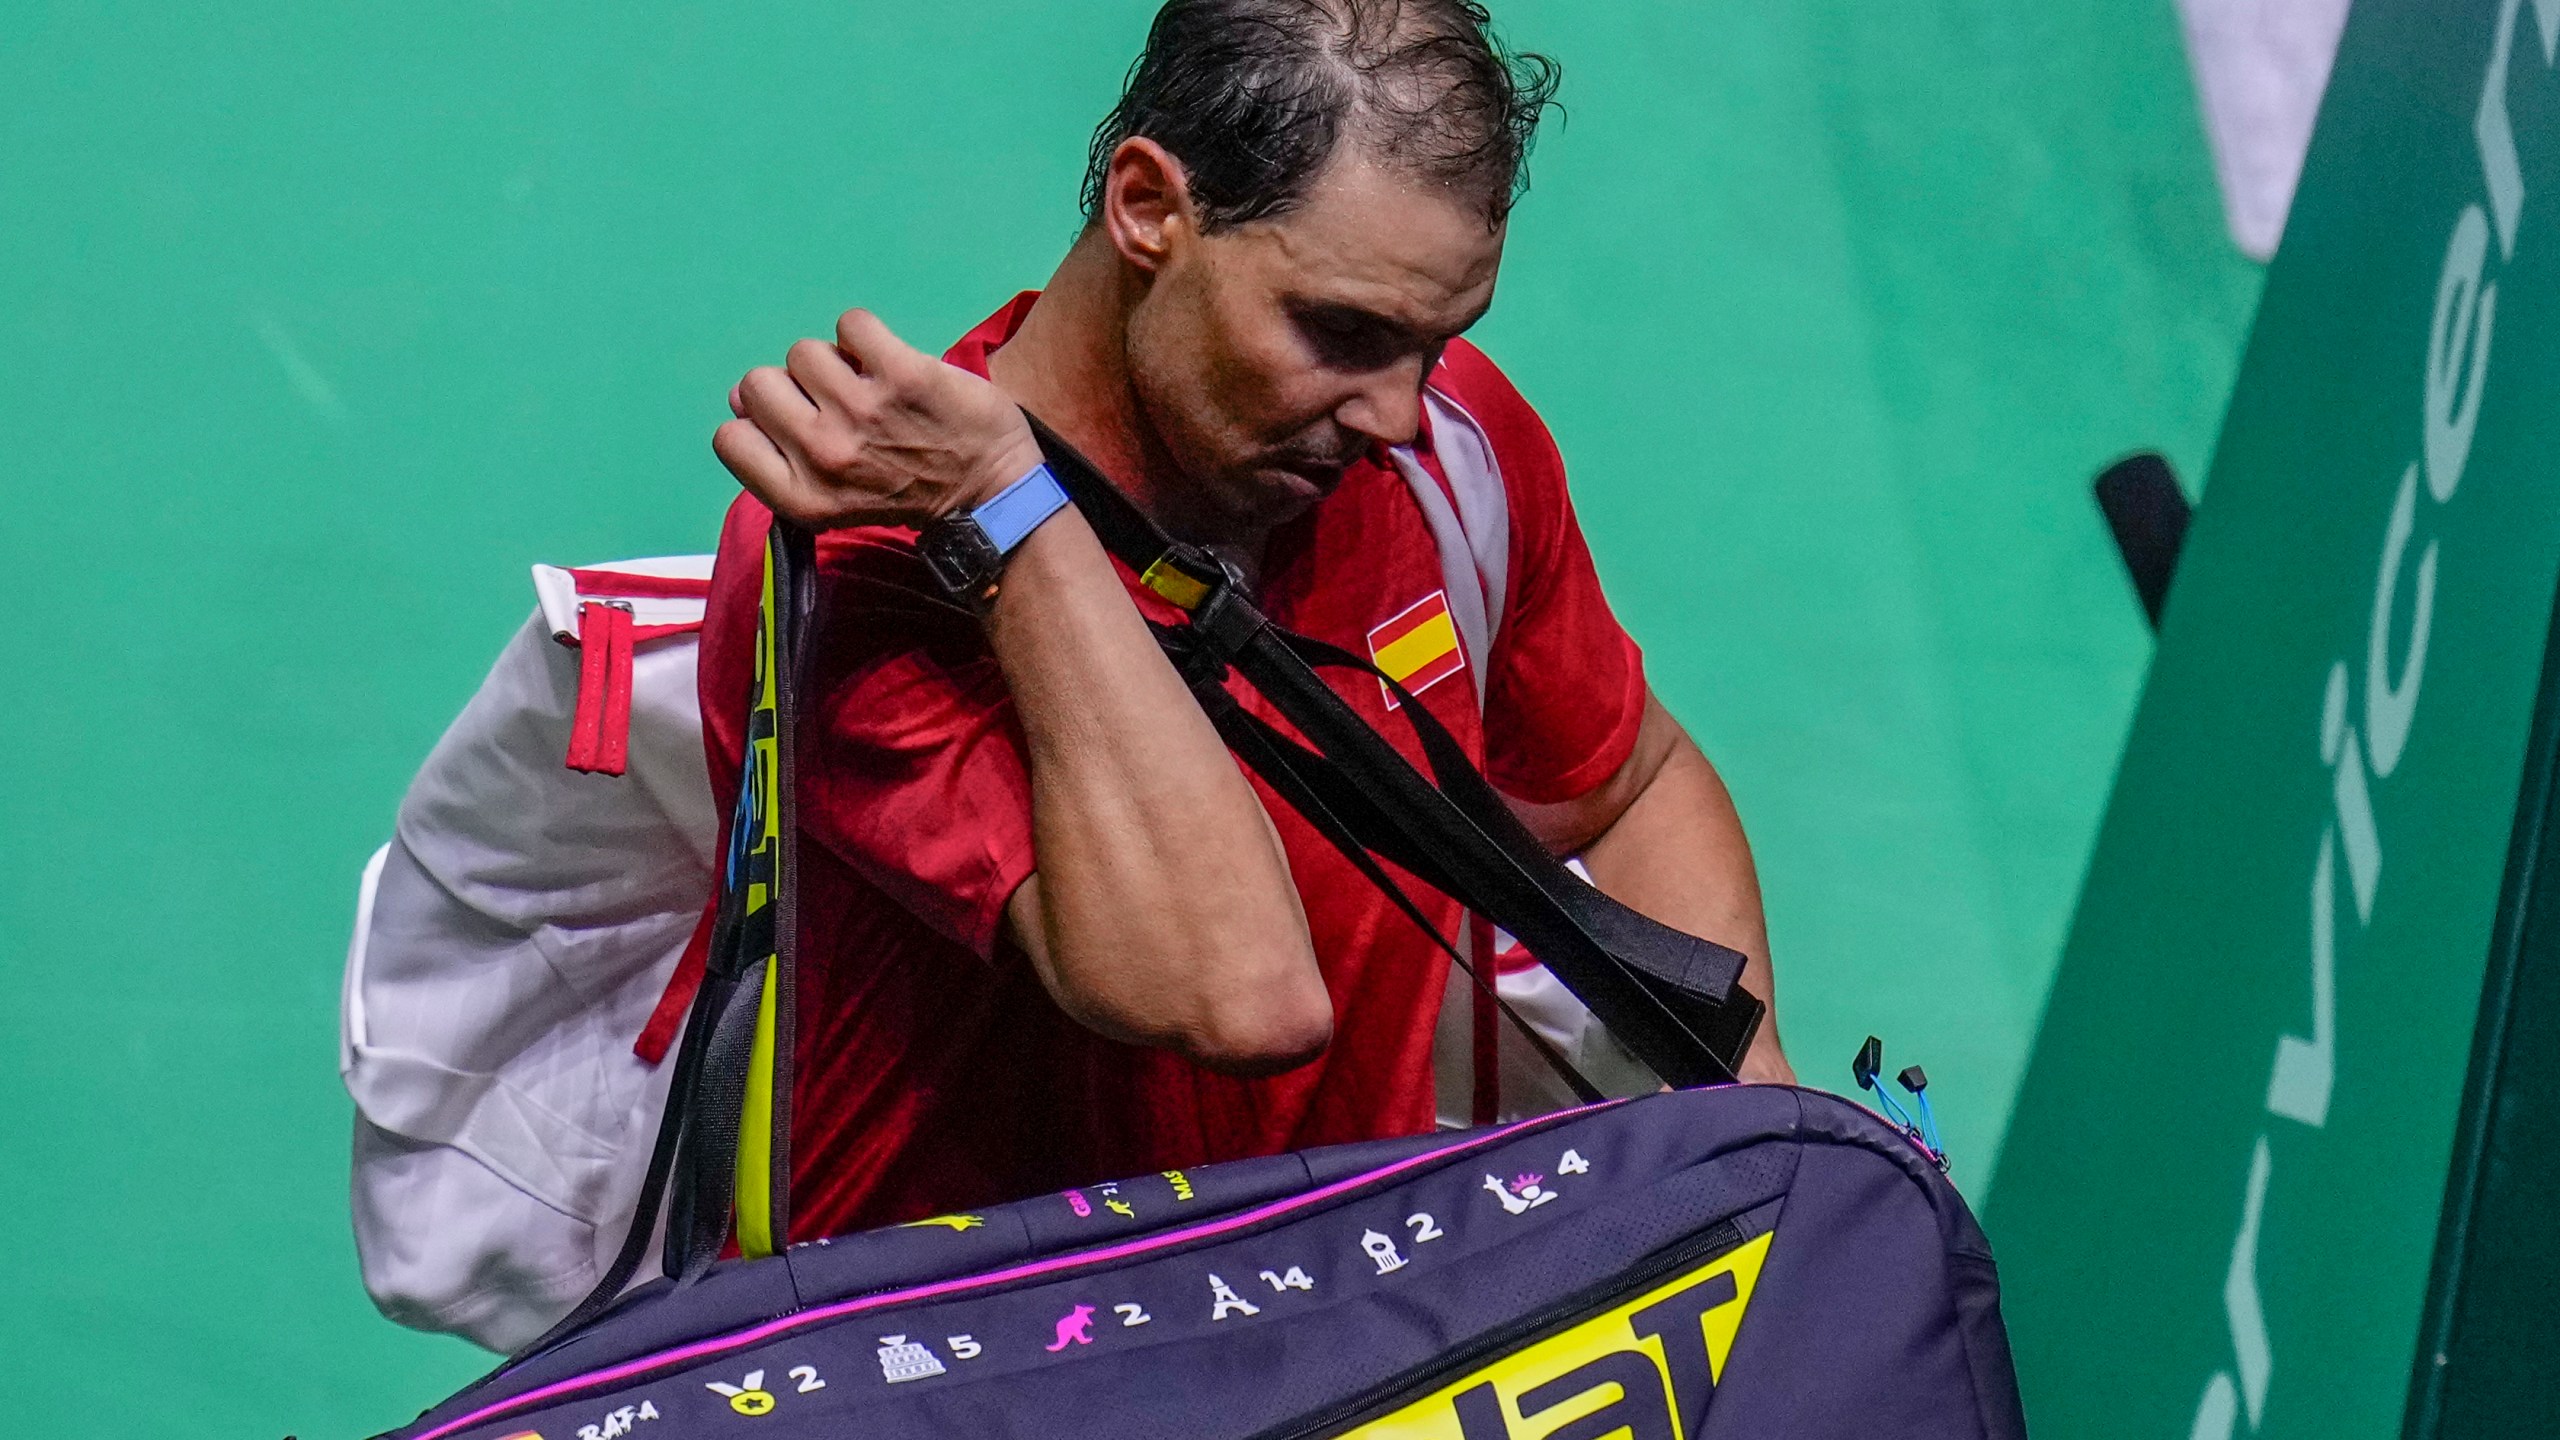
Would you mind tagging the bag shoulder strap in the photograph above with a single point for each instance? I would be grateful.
(1674, 999)
(1470, 523)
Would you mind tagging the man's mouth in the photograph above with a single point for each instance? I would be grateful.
(1318, 478)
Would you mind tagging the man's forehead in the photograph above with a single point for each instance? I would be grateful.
(1378, 239)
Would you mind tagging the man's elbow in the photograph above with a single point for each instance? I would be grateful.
(1270, 1018)
(1264, 1034)
(1259, 1014)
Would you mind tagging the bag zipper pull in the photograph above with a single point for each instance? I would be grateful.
(1921, 1130)
(600, 728)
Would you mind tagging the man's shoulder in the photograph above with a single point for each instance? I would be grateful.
(1468, 376)
(1526, 453)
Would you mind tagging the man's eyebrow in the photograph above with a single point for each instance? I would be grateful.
(1344, 310)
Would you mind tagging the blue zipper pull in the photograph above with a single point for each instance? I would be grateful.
(1916, 1080)
(1922, 1129)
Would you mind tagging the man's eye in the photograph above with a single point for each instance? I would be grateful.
(1348, 343)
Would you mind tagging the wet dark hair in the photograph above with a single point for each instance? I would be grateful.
(1252, 96)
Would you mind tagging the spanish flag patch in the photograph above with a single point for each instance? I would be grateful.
(1418, 648)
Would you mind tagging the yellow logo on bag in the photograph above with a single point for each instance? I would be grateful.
(954, 1223)
(1654, 1358)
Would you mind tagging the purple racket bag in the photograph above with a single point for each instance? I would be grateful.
(1728, 1261)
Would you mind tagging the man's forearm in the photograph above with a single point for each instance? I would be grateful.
(1677, 854)
(1163, 911)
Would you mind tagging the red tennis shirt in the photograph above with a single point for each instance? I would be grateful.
(934, 1072)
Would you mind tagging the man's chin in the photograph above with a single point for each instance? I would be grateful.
(1265, 497)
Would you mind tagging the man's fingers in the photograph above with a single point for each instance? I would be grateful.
(771, 392)
(770, 476)
(874, 349)
(777, 404)
(862, 431)
(752, 456)
(824, 375)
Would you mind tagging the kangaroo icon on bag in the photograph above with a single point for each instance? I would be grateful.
(1074, 1328)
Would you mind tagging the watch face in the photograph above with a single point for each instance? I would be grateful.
(956, 549)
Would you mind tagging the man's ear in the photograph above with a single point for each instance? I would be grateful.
(1146, 204)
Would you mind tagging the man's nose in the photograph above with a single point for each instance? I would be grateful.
(1388, 409)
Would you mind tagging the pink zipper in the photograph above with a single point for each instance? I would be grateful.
(783, 1325)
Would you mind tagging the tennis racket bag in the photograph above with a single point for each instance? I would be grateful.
(1730, 1261)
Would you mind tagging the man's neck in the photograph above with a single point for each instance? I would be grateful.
(1068, 364)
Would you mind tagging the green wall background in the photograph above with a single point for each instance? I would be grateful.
(319, 323)
(2263, 1242)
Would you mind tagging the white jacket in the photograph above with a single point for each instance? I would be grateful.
(510, 943)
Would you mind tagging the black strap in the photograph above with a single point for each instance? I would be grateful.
(1268, 752)
(705, 1189)
(1672, 997)
(1674, 1000)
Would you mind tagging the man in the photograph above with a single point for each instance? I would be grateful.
(1052, 933)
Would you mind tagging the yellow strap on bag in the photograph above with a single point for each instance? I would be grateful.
(755, 1207)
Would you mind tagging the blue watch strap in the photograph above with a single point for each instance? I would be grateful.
(1015, 511)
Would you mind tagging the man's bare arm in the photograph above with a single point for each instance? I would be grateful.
(1163, 912)
(1662, 836)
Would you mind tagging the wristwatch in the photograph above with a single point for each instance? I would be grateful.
(967, 551)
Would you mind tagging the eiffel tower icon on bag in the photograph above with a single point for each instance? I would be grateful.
(904, 1359)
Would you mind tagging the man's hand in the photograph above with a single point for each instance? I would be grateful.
(869, 431)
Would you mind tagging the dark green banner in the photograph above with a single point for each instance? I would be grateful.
(2219, 1199)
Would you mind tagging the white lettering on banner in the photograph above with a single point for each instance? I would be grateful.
(2248, 1315)
(2457, 369)
(2466, 311)
(2497, 137)
(2305, 1069)
(2389, 706)
(2353, 793)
